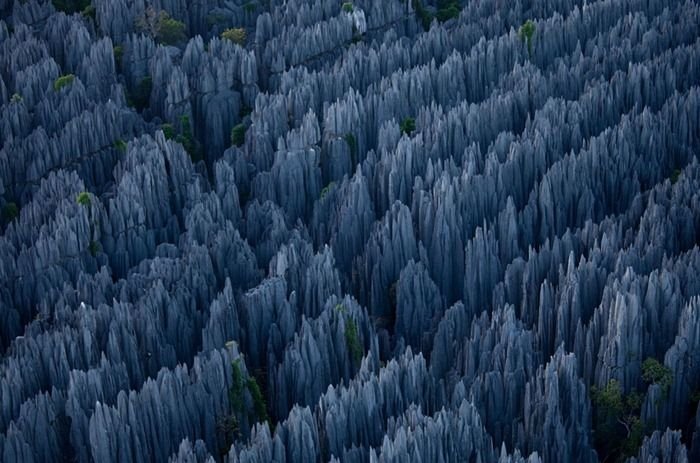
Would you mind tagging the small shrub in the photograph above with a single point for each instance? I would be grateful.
(408, 125)
(63, 81)
(10, 211)
(352, 144)
(118, 55)
(16, 98)
(238, 135)
(83, 198)
(526, 32)
(168, 131)
(353, 341)
(674, 176)
(327, 189)
(235, 35)
(120, 145)
(186, 139)
(89, 12)
(94, 248)
(694, 397)
(141, 97)
(347, 7)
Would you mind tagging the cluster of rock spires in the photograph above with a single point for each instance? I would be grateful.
(369, 231)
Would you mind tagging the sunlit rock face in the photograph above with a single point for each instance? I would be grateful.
(303, 231)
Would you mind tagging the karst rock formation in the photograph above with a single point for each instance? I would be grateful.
(367, 231)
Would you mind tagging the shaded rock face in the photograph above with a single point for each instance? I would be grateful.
(367, 231)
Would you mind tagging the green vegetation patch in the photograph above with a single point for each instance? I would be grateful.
(94, 248)
(617, 426)
(654, 372)
(235, 34)
(238, 135)
(408, 125)
(425, 17)
(675, 175)
(10, 211)
(161, 26)
(352, 340)
(327, 189)
(526, 33)
(447, 10)
(71, 6)
(352, 144)
(118, 55)
(168, 131)
(89, 12)
(259, 404)
(120, 145)
(83, 198)
(63, 81)
(141, 97)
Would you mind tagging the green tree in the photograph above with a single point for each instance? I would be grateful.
(654, 372)
(424, 15)
(162, 27)
(347, 7)
(171, 31)
(447, 9)
(618, 428)
(526, 32)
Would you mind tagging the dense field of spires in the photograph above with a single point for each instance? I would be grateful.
(383, 231)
